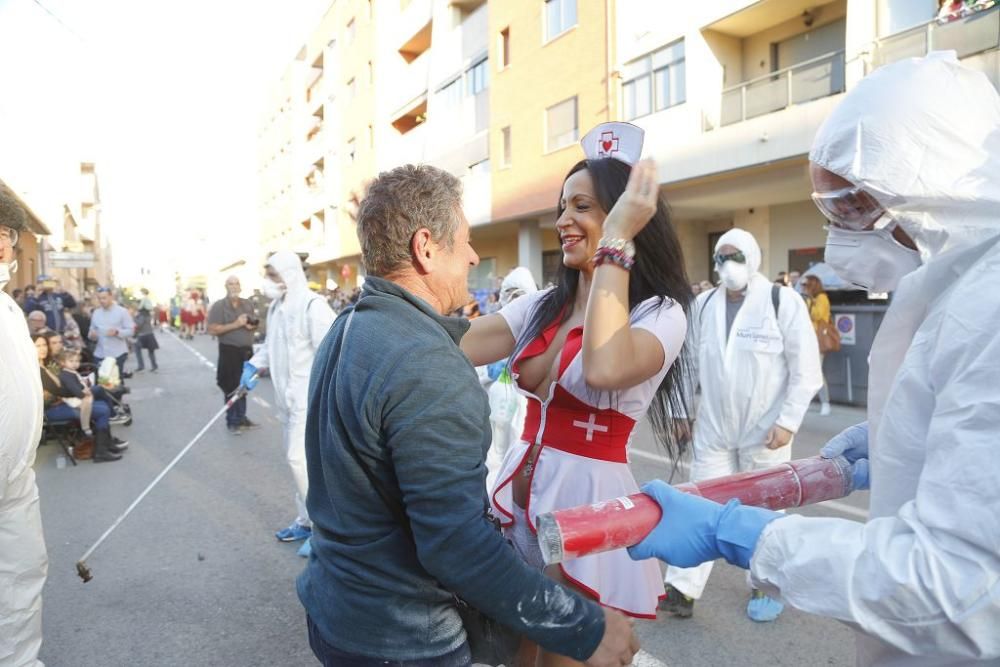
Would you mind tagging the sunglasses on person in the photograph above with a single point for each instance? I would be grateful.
(737, 257)
(103, 290)
(849, 208)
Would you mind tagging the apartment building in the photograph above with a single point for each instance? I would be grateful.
(550, 86)
(729, 92)
(377, 84)
(731, 95)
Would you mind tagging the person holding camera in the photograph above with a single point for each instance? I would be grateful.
(233, 321)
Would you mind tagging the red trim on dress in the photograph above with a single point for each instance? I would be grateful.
(590, 591)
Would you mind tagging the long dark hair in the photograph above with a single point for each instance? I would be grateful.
(658, 272)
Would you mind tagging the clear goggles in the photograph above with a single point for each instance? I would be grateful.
(849, 208)
(8, 235)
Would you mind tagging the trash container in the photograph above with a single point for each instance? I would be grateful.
(857, 318)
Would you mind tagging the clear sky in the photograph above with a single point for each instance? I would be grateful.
(165, 97)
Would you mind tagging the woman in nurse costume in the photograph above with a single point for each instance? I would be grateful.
(593, 355)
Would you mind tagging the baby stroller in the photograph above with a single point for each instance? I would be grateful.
(107, 378)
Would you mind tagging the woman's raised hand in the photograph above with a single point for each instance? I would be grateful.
(637, 205)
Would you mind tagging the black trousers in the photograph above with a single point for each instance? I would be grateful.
(227, 376)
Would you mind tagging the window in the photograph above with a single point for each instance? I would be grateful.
(371, 137)
(503, 46)
(350, 150)
(505, 134)
(560, 125)
(476, 78)
(371, 72)
(450, 95)
(349, 33)
(560, 16)
(352, 88)
(655, 81)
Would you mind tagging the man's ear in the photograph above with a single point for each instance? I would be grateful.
(423, 250)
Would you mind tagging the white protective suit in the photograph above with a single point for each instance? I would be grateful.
(508, 407)
(296, 325)
(920, 580)
(23, 560)
(765, 373)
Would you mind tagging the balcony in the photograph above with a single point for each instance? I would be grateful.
(409, 81)
(968, 36)
(803, 82)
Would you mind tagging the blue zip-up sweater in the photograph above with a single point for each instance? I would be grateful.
(399, 388)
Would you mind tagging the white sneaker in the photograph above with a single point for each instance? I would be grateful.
(824, 410)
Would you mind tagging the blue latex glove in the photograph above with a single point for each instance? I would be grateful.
(852, 444)
(247, 379)
(695, 530)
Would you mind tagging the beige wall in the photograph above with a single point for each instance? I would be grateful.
(694, 242)
(500, 241)
(796, 225)
(757, 48)
(539, 76)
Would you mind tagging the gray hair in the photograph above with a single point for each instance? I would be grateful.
(400, 202)
(11, 213)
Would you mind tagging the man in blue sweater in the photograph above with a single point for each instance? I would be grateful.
(390, 384)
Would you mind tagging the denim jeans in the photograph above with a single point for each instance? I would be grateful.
(332, 657)
(237, 412)
(99, 415)
(138, 357)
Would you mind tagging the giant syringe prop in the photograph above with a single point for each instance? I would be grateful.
(623, 522)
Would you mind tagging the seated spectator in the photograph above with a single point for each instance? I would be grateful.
(36, 322)
(56, 347)
(81, 396)
(56, 407)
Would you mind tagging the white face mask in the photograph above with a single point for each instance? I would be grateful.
(872, 260)
(6, 271)
(271, 289)
(734, 275)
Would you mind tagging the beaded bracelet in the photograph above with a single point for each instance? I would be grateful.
(615, 256)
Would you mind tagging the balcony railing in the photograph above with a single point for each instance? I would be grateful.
(967, 35)
(805, 81)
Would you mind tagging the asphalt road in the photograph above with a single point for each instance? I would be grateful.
(194, 576)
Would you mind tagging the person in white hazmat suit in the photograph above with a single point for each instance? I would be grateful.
(912, 193)
(757, 363)
(297, 320)
(23, 559)
(507, 406)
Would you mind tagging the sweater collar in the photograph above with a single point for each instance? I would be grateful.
(453, 326)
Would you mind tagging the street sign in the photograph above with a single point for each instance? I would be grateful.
(72, 260)
(847, 327)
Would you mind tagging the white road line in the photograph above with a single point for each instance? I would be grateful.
(261, 402)
(193, 351)
(834, 505)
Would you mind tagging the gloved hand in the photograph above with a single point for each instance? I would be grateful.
(852, 444)
(247, 379)
(695, 530)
